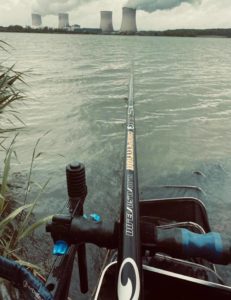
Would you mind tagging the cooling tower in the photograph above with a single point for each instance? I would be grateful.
(106, 21)
(63, 20)
(128, 20)
(36, 20)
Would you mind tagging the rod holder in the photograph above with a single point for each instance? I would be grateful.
(77, 192)
(76, 186)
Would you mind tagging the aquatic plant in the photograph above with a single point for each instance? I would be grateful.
(16, 219)
(9, 93)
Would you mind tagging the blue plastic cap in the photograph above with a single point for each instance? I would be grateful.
(95, 218)
(60, 248)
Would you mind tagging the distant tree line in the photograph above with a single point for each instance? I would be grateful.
(189, 32)
(175, 32)
(18, 28)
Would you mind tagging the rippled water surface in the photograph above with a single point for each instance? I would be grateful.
(183, 118)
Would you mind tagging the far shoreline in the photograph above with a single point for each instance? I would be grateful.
(204, 33)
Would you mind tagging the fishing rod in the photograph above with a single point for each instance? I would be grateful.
(129, 258)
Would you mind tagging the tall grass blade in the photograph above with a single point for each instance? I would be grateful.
(6, 171)
(31, 165)
(13, 215)
(34, 226)
(2, 203)
(26, 219)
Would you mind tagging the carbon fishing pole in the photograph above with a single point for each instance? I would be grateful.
(129, 259)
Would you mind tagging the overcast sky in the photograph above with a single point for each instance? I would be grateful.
(209, 14)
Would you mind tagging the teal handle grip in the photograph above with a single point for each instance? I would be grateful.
(209, 246)
(184, 244)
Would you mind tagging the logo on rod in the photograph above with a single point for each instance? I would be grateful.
(130, 151)
(128, 286)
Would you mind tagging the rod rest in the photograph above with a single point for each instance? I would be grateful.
(177, 242)
(81, 230)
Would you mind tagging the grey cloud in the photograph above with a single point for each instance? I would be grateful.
(53, 7)
(153, 5)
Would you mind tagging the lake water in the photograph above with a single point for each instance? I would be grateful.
(77, 87)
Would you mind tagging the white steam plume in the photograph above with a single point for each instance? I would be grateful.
(152, 5)
(53, 7)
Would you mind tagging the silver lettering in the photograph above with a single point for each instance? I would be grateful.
(129, 207)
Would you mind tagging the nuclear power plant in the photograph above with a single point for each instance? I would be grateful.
(128, 20)
(63, 20)
(106, 21)
(128, 24)
(36, 20)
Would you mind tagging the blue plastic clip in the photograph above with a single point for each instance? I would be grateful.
(60, 248)
(95, 217)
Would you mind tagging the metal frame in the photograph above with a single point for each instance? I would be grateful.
(59, 279)
(187, 287)
(193, 208)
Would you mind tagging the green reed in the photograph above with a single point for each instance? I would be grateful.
(16, 223)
